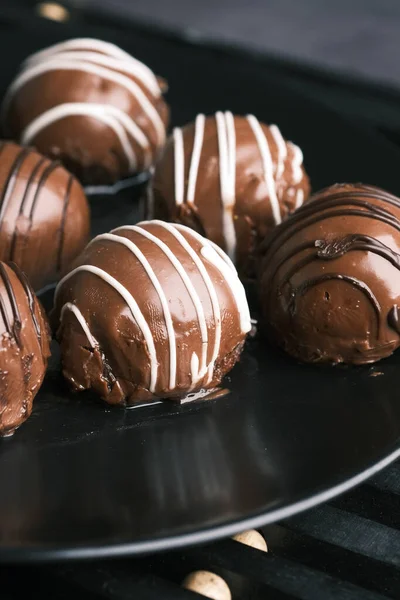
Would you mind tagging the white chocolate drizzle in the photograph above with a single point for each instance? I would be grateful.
(228, 270)
(297, 161)
(174, 230)
(196, 153)
(113, 117)
(268, 166)
(101, 51)
(163, 299)
(186, 280)
(179, 166)
(282, 151)
(82, 322)
(227, 171)
(109, 63)
(134, 308)
(299, 198)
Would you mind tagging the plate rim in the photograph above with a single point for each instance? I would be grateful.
(42, 554)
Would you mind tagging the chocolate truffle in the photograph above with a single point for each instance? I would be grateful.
(24, 347)
(44, 214)
(91, 105)
(150, 311)
(330, 277)
(230, 178)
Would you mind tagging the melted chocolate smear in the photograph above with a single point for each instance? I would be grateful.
(204, 395)
(213, 394)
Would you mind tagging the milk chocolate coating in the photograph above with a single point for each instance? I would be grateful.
(230, 178)
(24, 347)
(330, 277)
(44, 214)
(150, 311)
(92, 106)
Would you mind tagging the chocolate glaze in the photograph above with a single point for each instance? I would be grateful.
(24, 347)
(230, 178)
(330, 277)
(150, 311)
(44, 214)
(91, 105)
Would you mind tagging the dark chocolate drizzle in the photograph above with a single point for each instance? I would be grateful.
(29, 183)
(29, 294)
(11, 180)
(340, 198)
(62, 224)
(352, 204)
(43, 178)
(306, 285)
(14, 327)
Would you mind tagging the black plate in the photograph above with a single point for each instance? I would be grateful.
(80, 479)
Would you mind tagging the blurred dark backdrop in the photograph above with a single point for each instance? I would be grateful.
(359, 37)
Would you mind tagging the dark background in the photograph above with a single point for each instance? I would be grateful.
(359, 37)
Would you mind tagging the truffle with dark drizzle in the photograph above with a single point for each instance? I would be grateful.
(44, 214)
(24, 347)
(330, 277)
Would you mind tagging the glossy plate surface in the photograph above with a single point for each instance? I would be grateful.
(81, 479)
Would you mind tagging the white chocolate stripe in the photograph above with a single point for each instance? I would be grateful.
(201, 239)
(164, 302)
(228, 271)
(231, 140)
(233, 282)
(194, 369)
(122, 80)
(186, 280)
(179, 166)
(299, 198)
(134, 308)
(297, 161)
(227, 165)
(82, 321)
(195, 159)
(223, 255)
(131, 67)
(173, 229)
(266, 158)
(86, 44)
(114, 118)
(281, 148)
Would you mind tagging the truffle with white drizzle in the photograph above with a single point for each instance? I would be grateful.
(90, 104)
(152, 310)
(232, 179)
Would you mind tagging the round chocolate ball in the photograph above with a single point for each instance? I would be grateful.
(91, 105)
(330, 277)
(44, 214)
(150, 311)
(24, 347)
(230, 178)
